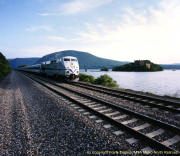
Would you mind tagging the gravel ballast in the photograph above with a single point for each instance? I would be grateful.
(35, 121)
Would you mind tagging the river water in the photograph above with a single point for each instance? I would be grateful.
(166, 82)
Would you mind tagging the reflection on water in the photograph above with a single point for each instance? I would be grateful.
(166, 82)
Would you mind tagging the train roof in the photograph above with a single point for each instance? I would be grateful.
(49, 61)
(70, 57)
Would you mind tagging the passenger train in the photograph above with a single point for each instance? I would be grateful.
(65, 67)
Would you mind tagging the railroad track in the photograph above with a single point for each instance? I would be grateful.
(155, 134)
(155, 102)
(166, 116)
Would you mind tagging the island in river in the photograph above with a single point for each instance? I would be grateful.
(139, 66)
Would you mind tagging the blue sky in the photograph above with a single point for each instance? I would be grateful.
(123, 30)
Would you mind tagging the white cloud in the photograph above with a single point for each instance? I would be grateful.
(62, 39)
(75, 6)
(147, 34)
(44, 14)
(152, 33)
(39, 28)
(57, 39)
(78, 6)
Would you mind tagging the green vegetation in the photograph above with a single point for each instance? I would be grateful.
(4, 66)
(105, 69)
(106, 80)
(86, 78)
(103, 80)
(139, 66)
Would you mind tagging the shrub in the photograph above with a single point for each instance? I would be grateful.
(4, 66)
(86, 78)
(106, 80)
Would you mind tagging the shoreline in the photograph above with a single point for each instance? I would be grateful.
(177, 99)
(164, 84)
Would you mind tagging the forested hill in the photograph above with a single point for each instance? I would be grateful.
(15, 63)
(4, 66)
(139, 66)
(86, 60)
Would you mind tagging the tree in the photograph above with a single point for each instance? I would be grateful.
(4, 66)
(104, 69)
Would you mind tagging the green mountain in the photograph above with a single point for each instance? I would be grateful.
(86, 60)
(139, 66)
(4, 66)
(15, 63)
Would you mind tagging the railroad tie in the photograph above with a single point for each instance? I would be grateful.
(148, 149)
(129, 121)
(155, 133)
(81, 110)
(76, 107)
(94, 106)
(141, 127)
(86, 113)
(100, 108)
(92, 116)
(107, 126)
(99, 121)
(111, 114)
(119, 117)
(90, 103)
(171, 141)
(131, 140)
(118, 132)
(106, 110)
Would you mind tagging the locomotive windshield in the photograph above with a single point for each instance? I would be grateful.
(74, 60)
(66, 59)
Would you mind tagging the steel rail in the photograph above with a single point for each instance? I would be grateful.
(159, 99)
(133, 98)
(156, 144)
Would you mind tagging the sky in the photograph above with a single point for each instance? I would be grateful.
(124, 30)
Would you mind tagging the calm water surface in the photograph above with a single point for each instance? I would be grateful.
(166, 82)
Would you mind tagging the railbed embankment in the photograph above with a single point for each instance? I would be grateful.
(35, 121)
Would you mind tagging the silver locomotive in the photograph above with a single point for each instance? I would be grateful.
(65, 67)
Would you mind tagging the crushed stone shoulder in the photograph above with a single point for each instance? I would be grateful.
(34, 121)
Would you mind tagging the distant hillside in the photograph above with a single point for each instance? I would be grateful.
(14, 63)
(85, 59)
(170, 66)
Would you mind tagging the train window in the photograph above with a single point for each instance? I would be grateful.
(53, 61)
(74, 60)
(48, 62)
(66, 59)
